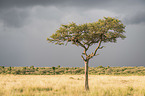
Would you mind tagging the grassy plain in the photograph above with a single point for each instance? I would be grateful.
(71, 85)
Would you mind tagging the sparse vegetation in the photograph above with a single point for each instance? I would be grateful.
(49, 81)
(53, 85)
(100, 70)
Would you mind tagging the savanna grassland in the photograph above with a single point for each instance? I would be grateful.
(69, 81)
(71, 85)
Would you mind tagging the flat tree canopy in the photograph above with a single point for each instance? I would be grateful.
(85, 35)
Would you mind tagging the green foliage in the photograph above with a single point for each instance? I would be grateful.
(10, 68)
(58, 66)
(100, 66)
(100, 70)
(108, 66)
(54, 72)
(53, 68)
(24, 68)
(2, 67)
(17, 72)
(106, 30)
(32, 67)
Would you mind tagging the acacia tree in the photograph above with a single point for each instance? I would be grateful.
(85, 35)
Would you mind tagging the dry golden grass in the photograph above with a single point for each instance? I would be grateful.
(71, 85)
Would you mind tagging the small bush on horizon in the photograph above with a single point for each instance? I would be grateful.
(72, 70)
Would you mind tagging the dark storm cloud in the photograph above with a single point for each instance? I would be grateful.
(13, 17)
(23, 3)
(111, 4)
(14, 13)
(26, 3)
(78, 3)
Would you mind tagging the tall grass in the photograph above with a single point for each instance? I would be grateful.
(71, 85)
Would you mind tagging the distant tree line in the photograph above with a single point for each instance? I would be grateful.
(100, 70)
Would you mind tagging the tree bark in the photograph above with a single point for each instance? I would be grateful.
(86, 76)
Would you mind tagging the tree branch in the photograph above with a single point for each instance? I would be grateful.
(88, 46)
(84, 53)
(97, 48)
(82, 45)
(83, 58)
(94, 54)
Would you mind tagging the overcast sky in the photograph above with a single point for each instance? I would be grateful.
(25, 25)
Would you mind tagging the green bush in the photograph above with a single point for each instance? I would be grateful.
(100, 66)
(73, 70)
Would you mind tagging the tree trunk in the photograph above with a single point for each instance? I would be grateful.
(86, 76)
